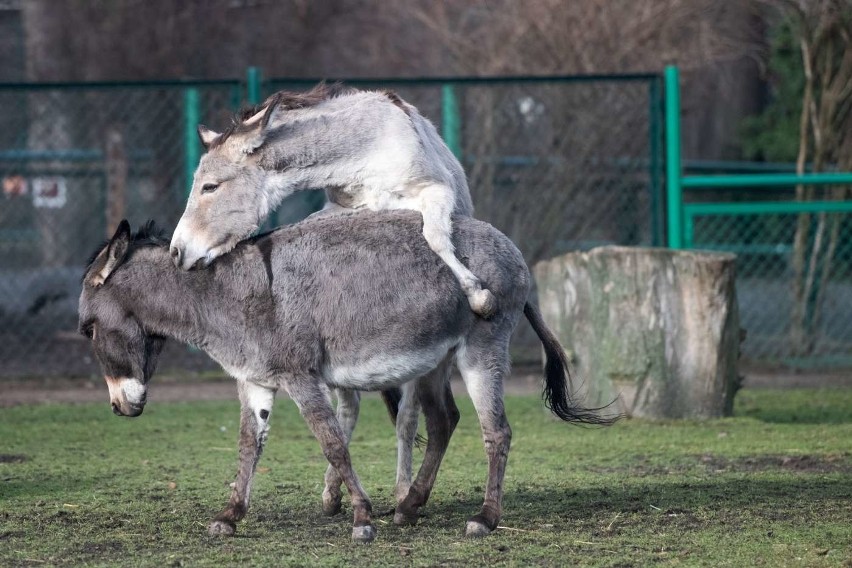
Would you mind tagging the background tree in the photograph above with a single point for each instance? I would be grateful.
(809, 121)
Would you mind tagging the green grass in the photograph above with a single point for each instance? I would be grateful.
(770, 487)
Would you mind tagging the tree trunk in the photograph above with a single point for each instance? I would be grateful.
(654, 328)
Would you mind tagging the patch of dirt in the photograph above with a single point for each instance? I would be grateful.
(681, 519)
(795, 380)
(15, 393)
(12, 458)
(99, 548)
(803, 464)
(525, 379)
(26, 393)
(717, 464)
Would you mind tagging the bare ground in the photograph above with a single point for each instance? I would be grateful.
(524, 380)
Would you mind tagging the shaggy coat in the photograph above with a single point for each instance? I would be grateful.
(354, 303)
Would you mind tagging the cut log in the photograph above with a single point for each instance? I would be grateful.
(656, 329)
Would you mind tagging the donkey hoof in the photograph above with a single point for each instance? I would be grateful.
(476, 529)
(483, 303)
(364, 534)
(405, 518)
(331, 506)
(221, 528)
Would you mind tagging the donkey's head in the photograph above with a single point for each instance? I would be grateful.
(240, 179)
(127, 353)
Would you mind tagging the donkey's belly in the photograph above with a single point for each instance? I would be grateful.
(384, 370)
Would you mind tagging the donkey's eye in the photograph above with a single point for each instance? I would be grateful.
(89, 331)
(209, 187)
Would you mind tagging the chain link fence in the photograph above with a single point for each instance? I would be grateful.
(557, 164)
(794, 274)
(74, 160)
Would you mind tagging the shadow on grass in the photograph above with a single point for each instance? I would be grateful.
(731, 501)
(14, 486)
(644, 509)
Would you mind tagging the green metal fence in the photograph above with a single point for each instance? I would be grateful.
(557, 163)
(794, 280)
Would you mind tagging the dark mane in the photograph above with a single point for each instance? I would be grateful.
(149, 235)
(287, 100)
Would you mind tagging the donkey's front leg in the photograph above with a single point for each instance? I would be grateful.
(317, 412)
(348, 405)
(255, 406)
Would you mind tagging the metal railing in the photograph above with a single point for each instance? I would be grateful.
(794, 267)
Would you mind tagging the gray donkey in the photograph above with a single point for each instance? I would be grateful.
(369, 150)
(360, 303)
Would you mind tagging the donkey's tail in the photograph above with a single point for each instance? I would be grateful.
(557, 391)
(391, 398)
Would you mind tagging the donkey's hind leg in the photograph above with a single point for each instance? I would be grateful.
(483, 368)
(255, 406)
(406, 435)
(316, 409)
(348, 405)
(436, 399)
(436, 205)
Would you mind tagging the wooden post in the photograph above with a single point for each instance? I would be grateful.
(657, 329)
(116, 175)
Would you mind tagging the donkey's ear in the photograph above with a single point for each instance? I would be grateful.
(261, 119)
(207, 136)
(112, 256)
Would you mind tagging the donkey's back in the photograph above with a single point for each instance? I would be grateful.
(373, 305)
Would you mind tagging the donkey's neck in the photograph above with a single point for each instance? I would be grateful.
(324, 146)
(195, 307)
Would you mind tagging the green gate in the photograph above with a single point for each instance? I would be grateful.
(794, 266)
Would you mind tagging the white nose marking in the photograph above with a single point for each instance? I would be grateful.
(134, 391)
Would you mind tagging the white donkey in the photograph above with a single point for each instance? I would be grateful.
(368, 150)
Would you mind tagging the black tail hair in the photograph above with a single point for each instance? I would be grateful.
(391, 398)
(557, 395)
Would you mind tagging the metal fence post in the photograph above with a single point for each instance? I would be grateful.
(655, 106)
(254, 85)
(451, 120)
(192, 145)
(674, 191)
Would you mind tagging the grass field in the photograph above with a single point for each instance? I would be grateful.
(770, 487)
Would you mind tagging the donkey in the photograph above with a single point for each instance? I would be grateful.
(356, 303)
(369, 150)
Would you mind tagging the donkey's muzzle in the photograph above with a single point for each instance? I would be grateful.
(129, 410)
(175, 254)
(127, 396)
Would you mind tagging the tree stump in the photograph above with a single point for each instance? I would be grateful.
(657, 329)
